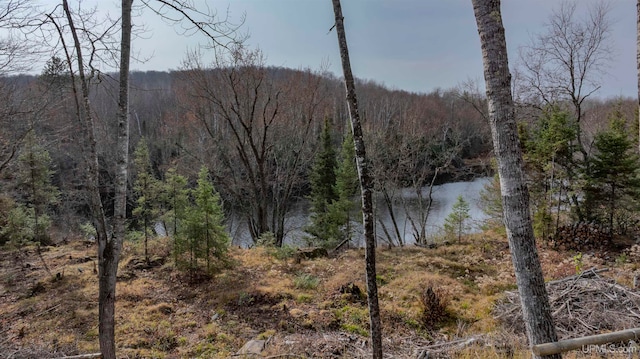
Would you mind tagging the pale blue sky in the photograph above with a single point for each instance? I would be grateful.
(414, 45)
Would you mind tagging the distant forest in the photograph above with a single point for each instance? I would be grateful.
(256, 128)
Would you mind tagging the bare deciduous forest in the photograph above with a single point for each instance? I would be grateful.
(175, 159)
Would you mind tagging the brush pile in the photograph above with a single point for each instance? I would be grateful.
(581, 237)
(584, 304)
(633, 252)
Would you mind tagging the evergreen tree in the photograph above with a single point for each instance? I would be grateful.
(18, 227)
(549, 153)
(33, 178)
(56, 74)
(148, 189)
(347, 184)
(176, 200)
(323, 172)
(323, 190)
(346, 187)
(204, 225)
(456, 221)
(613, 182)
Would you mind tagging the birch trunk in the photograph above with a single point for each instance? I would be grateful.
(515, 195)
(109, 251)
(83, 112)
(366, 185)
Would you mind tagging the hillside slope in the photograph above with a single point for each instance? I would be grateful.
(307, 308)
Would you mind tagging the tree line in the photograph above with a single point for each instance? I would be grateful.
(265, 137)
(269, 161)
(258, 133)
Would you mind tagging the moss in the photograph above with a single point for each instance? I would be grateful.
(306, 281)
(355, 329)
(304, 298)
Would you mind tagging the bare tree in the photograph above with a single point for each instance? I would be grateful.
(109, 246)
(93, 43)
(566, 62)
(16, 120)
(16, 49)
(246, 109)
(16, 55)
(109, 249)
(515, 197)
(366, 185)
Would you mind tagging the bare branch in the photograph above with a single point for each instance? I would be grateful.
(14, 51)
(188, 20)
(566, 62)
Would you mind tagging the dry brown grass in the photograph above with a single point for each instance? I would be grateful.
(162, 314)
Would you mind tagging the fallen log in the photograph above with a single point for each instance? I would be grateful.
(591, 272)
(84, 356)
(576, 343)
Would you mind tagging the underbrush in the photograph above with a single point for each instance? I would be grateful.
(427, 296)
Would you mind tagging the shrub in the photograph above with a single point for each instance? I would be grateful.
(20, 227)
(306, 281)
(88, 230)
(6, 205)
(284, 252)
(267, 239)
(433, 307)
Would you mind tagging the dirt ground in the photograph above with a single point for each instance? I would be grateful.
(304, 309)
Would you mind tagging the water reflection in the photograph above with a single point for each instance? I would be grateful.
(405, 202)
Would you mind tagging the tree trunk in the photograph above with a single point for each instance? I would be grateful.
(366, 185)
(389, 202)
(83, 112)
(109, 251)
(515, 196)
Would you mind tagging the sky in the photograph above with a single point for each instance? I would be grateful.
(412, 45)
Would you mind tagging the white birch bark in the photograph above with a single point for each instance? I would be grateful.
(515, 195)
(366, 185)
(109, 251)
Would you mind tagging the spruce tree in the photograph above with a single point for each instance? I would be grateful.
(456, 221)
(347, 184)
(148, 189)
(204, 225)
(323, 189)
(549, 152)
(346, 187)
(323, 172)
(612, 182)
(18, 227)
(33, 177)
(176, 201)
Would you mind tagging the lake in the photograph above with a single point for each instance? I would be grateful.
(405, 206)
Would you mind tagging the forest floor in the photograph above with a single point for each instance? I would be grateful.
(307, 308)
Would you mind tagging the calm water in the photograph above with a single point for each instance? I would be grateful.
(405, 202)
(444, 196)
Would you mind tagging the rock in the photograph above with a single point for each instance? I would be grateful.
(311, 253)
(252, 347)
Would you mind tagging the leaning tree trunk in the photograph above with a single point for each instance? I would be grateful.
(83, 111)
(365, 184)
(515, 196)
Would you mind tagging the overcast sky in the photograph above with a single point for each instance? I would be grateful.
(414, 45)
